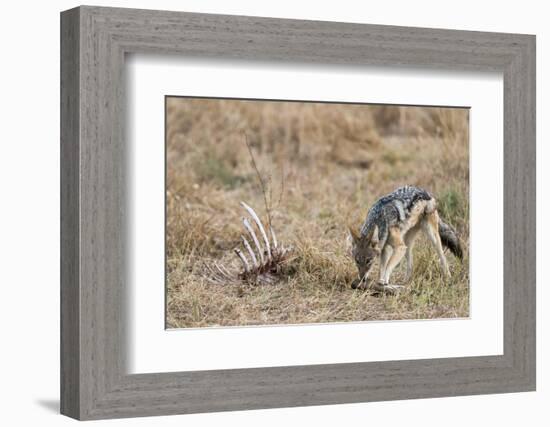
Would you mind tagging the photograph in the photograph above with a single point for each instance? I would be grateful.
(283, 212)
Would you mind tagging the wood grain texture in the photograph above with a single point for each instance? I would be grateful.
(70, 292)
(94, 201)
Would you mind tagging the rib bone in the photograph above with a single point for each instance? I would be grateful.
(260, 227)
(250, 251)
(243, 259)
(254, 238)
(273, 237)
(223, 272)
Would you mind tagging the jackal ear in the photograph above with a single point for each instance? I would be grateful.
(355, 237)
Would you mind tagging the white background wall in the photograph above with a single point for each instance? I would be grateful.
(29, 212)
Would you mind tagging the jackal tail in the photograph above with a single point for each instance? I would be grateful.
(449, 239)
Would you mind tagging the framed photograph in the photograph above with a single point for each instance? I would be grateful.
(261, 213)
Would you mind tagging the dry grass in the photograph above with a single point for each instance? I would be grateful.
(324, 165)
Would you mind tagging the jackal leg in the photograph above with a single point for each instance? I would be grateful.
(431, 224)
(410, 237)
(384, 258)
(395, 240)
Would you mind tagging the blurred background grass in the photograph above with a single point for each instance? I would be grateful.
(324, 165)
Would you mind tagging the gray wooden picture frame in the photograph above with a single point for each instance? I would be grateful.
(94, 41)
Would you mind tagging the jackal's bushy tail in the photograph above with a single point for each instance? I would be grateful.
(449, 239)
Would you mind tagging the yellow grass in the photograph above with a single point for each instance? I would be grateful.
(324, 165)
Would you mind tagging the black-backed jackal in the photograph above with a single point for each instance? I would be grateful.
(389, 232)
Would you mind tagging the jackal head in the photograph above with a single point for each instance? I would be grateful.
(364, 250)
